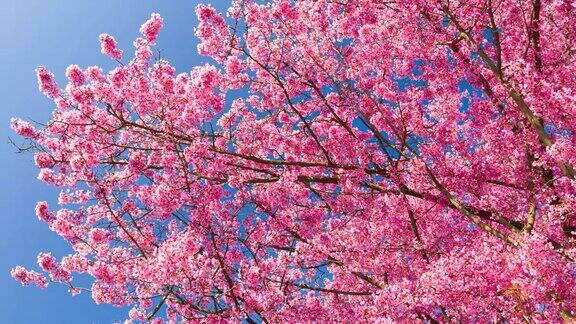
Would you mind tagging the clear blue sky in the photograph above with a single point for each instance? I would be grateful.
(55, 34)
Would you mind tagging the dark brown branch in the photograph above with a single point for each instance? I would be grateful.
(333, 291)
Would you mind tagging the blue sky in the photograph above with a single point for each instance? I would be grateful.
(55, 34)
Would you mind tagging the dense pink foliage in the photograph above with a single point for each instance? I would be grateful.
(151, 28)
(27, 277)
(46, 82)
(340, 161)
(109, 46)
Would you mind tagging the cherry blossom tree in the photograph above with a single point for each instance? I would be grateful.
(338, 161)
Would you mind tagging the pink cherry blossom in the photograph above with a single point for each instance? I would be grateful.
(109, 47)
(98, 235)
(46, 82)
(151, 28)
(75, 75)
(95, 73)
(43, 213)
(43, 160)
(27, 277)
(46, 262)
(22, 128)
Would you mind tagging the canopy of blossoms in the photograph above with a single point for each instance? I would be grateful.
(337, 161)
